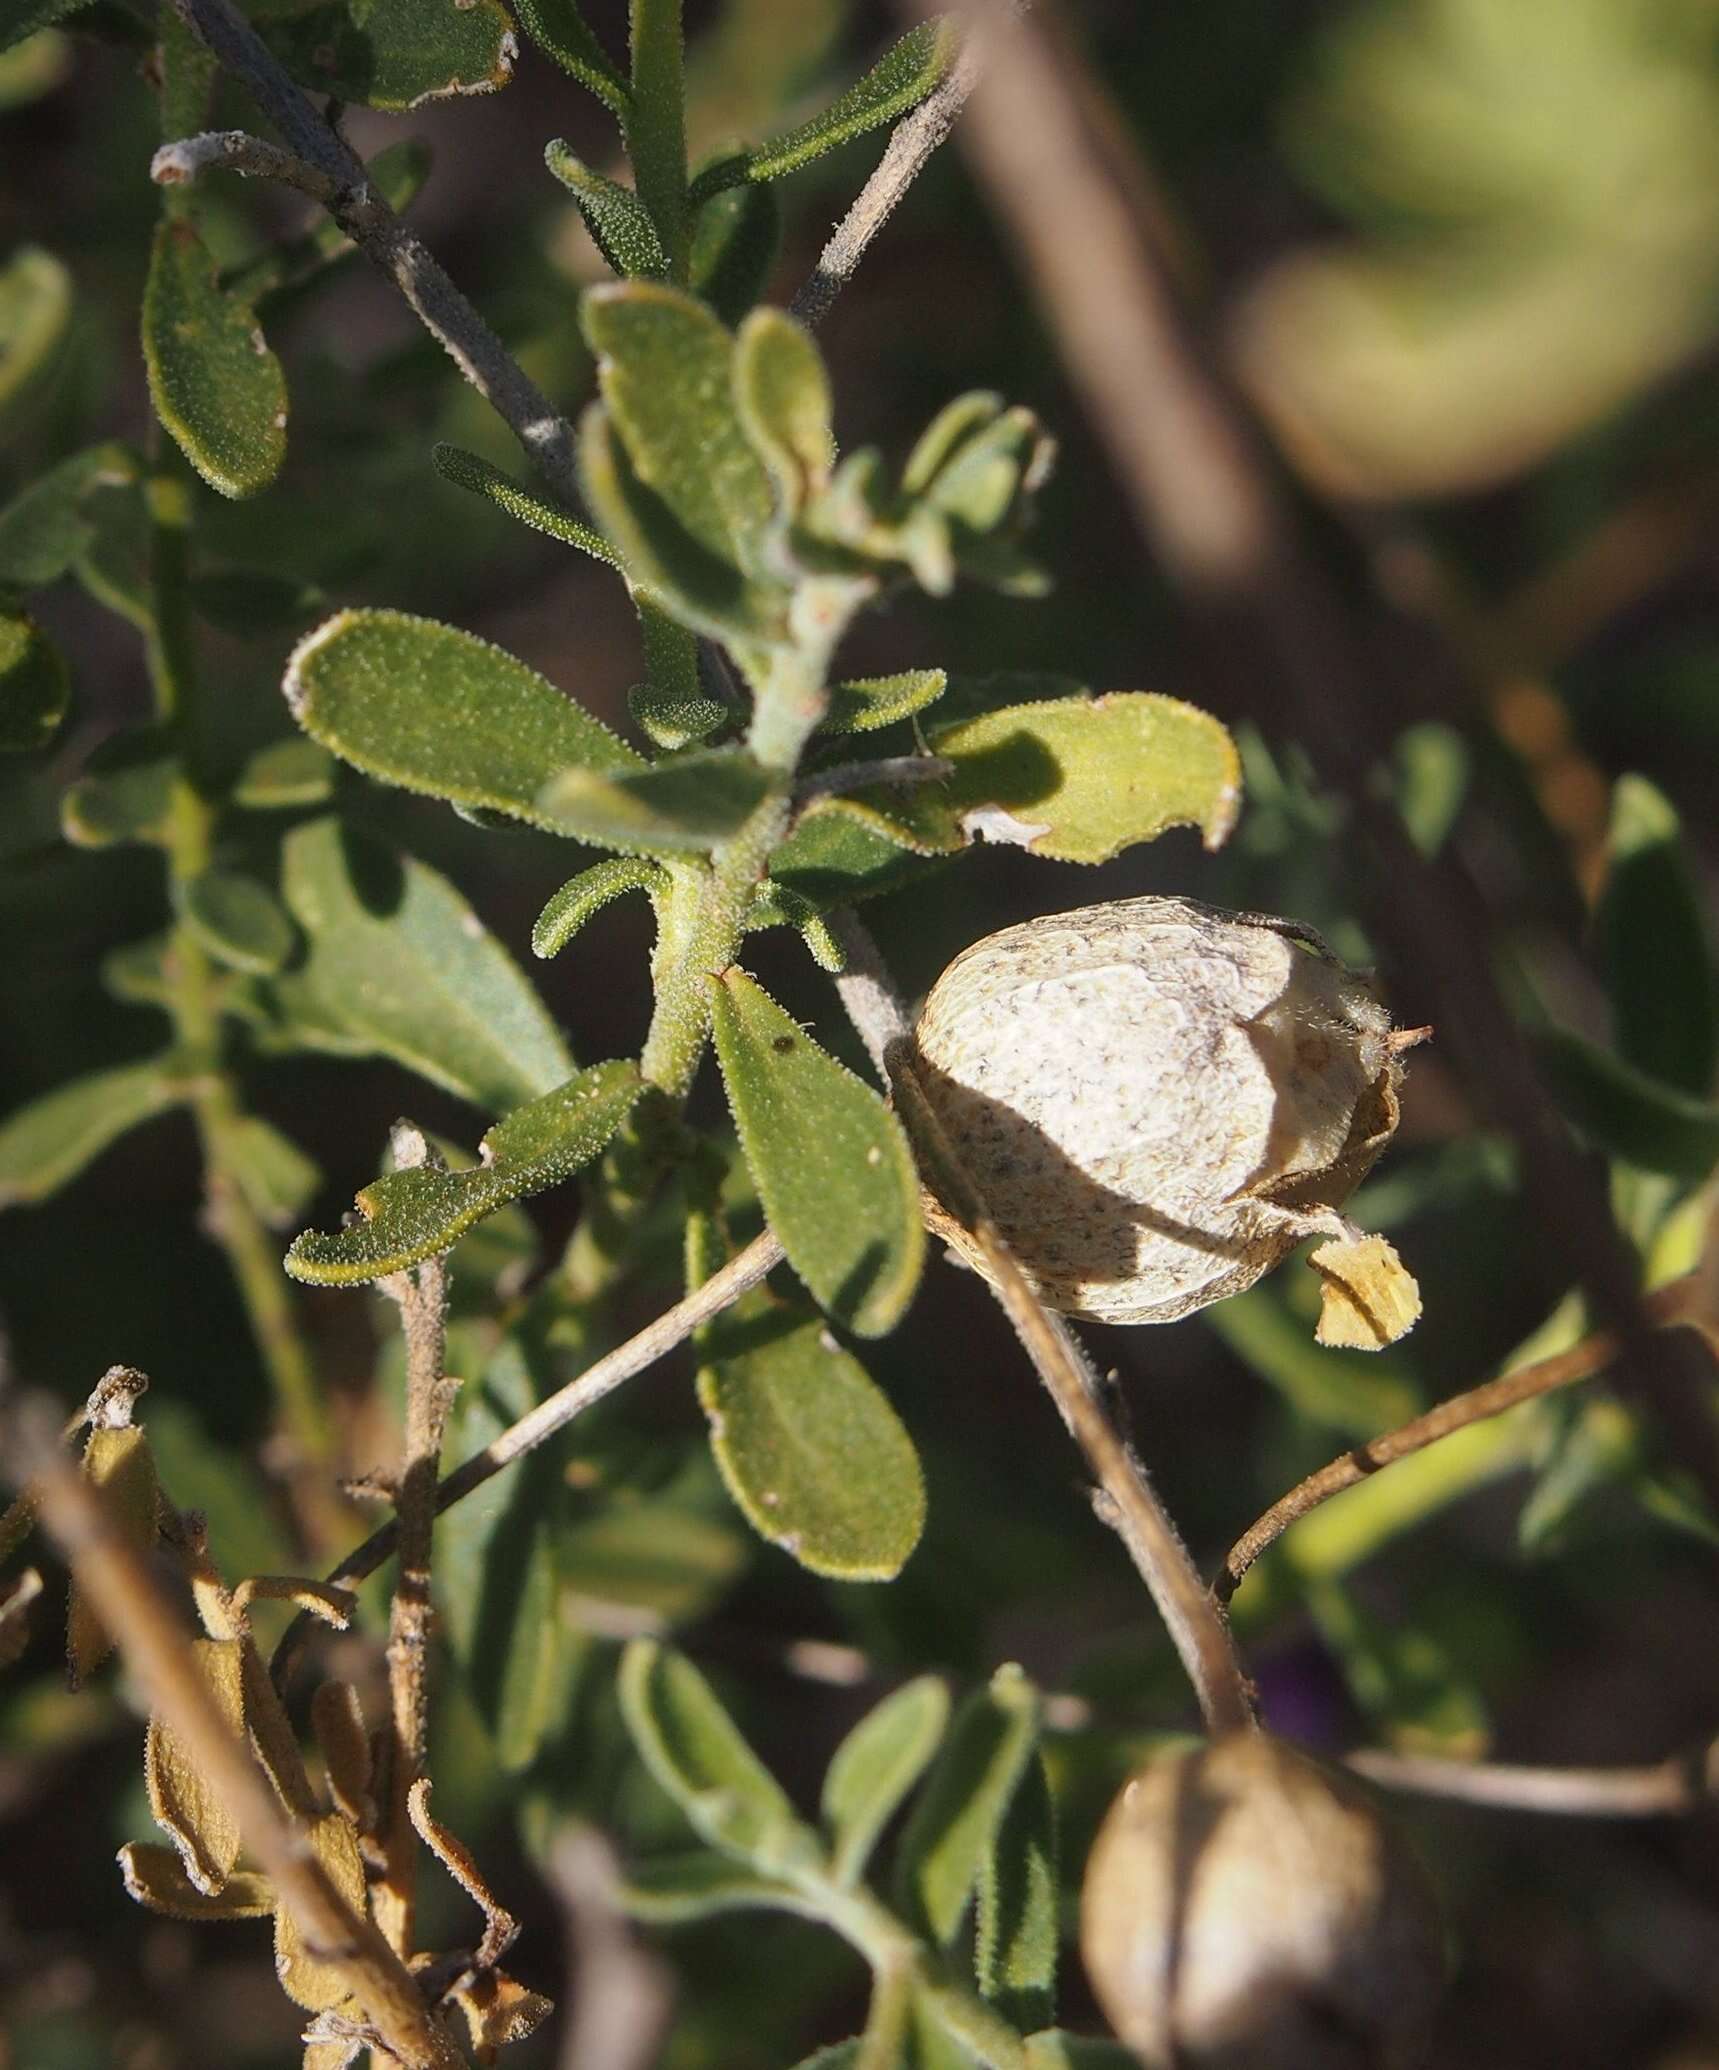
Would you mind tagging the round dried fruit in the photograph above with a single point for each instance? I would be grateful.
(1246, 1909)
(1159, 1101)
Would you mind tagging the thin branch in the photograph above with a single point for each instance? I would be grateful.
(1667, 1789)
(911, 143)
(394, 250)
(422, 1296)
(236, 150)
(1206, 502)
(867, 991)
(130, 1603)
(1683, 1301)
(1125, 1498)
(656, 1340)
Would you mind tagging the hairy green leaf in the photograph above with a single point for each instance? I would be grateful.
(954, 1827)
(831, 1163)
(670, 706)
(808, 1444)
(411, 1215)
(558, 27)
(471, 471)
(50, 1141)
(1653, 938)
(1015, 1949)
(397, 54)
(877, 1764)
(694, 801)
(735, 236)
(35, 311)
(620, 224)
(214, 382)
(433, 709)
(835, 857)
(47, 525)
(899, 80)
(695, 1751)
(783, 396)
(35, 685)
(125, 794)
(671, 1889)
(870, 702)
(588, 893)
(1627, 1114)
(238, 920)
(284, 775)
(399, 965)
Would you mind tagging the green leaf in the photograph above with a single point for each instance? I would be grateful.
(412, 1215)
(126, 793)
(21, 18)
(870, 702)
(672, 1889)
(899, 80)
(238, 920)
(1015, 1949)
(557, 26)
(46, 526)
(808, 1444)
(274, 1174)
(735, 236)
(830, 1161)
(960, 1813)
(1432, 782)
(1653, 938)
(670, 706)
(1627, 1114)
(283, 775)
(433, 709)
(470, 471)
(619, 222)
(783, 396)
(694, 801)
(695, 1751)
(952, 427)
(835, 857)
(877, 1764)
(214, 382)
(397, 54)
(35, 312)
(399, 965)
(498, 1578)
(1074, 779)
(588, 893)
(35, 685)
(51, 1140)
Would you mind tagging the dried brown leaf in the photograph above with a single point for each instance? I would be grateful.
(119, 1463)
(308, 1981)
(186, 1809)
(155, 1876)
(498, 2009)
(501, 1929)
(337, 1721)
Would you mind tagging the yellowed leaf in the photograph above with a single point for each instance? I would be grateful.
(337, 1722)
(498, 2009)
(155, 1876)
(192, 1815)
(501, 1929)
(119, 1463)
(315, 1984)
(1370, 1298)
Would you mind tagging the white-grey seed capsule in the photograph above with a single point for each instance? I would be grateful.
(1158, 1100)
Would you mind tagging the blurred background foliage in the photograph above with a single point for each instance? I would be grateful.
(1465, 260)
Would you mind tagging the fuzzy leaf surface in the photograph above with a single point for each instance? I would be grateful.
(877, 1764)
(620, 224)
(1015, 1952)
(783, 396)
(214, 382)
(669, 1890)
(808, 1444)
(691, 802)
(831, 1162)
(397, 54)
(237, 919)
(436, 710)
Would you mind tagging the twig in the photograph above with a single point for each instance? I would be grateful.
(653, 1342)
(129, 1602)
(1125, 1498)
(911, 143)
(235, 150)
(422, 1296)
(867, 991)
(1204, 499)
(318, 151)
(1667, 1789)
(1680, 1302)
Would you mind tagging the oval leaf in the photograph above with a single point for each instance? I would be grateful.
(808, 1444)
(695, 801)
(783, 396)
(397, 54)
(238, 921)
(194, 1816)
(869, 702)
(399, 965)
(437, 710)
(876, 1765)
(35, 686)
(831, 1162)
(47, 526)
(1015, 1948)
(214, 382)
(695, 1751)
(35, 308)
(51, 1140)
(619, 222)
(411, 1215)
(307, 1980)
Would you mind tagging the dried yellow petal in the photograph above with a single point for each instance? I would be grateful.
(1370, 1297)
